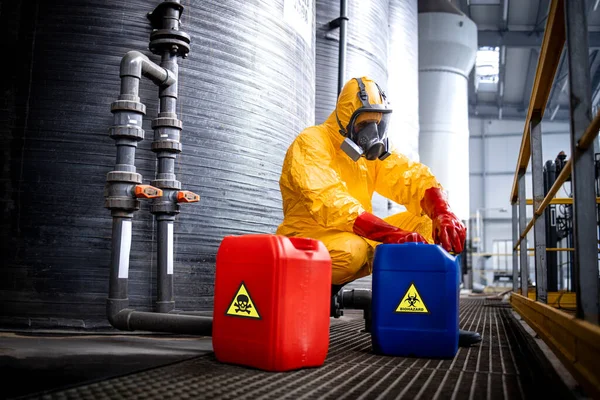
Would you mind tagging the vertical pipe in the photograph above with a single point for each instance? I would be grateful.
(582, 175)
(522, 225)
(167, 144)
(127, 131)
(343, 42)
(515, 235)
(470, 254)
(118, 299)
(552, 267)
(483, 186)
(119, 262)
(539, 228)
(165, 301)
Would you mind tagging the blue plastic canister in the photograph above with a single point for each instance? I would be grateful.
(415, 301)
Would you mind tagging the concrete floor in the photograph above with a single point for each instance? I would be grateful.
(31, 362)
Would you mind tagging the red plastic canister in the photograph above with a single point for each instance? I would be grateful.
(272, 300)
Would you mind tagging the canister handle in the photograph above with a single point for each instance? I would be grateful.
(305, 244)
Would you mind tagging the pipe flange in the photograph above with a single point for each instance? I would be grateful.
(126, 105)
(166, 184)
(156, 17)
(122, 203)
(121, 213)
(166, 145)
(122, 176)
(164, 208)
(130, 132)
(171, 40)
(129, 97)
(168, 122)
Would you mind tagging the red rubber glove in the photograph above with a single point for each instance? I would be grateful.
(374, 228)
(448, 230)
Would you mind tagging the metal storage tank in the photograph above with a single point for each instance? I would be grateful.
(403, 77)
(382, 43)
(447, 52)
(367, 54)
(245, 91)
(367, 44)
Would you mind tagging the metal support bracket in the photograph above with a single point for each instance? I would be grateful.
(336, 23)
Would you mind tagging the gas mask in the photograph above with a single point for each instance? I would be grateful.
(366, 133)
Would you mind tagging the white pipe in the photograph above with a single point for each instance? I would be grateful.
(447, 50)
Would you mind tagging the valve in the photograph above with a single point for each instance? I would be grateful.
(185, 196)
(147, 192)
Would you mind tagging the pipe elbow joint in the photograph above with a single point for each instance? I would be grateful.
(131, 64)
(135, 64)
(171, 78)
(118, 314)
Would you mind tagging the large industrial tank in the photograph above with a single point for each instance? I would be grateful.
(447, 52)
(367, 55)
(245, 92)
(367, 44)
(403, 77)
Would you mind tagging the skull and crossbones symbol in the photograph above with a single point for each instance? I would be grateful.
(412, 300)
(242, 304)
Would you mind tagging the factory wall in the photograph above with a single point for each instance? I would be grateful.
(494, 148)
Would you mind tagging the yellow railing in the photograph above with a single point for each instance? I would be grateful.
(584, 143)
(565, 200)
(552, 45)
(574, 338)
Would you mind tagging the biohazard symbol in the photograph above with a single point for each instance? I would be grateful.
(242, 305)
(412, 302)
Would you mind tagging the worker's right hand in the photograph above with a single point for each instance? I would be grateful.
(403, 237)
(374, 228)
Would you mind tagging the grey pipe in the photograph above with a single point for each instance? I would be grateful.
(124, 318)
(134, 65)
(120, 194)
(358, 299)
(165, 300)
(131, 320)
(121, 246)
(343, 42)
(167, 144)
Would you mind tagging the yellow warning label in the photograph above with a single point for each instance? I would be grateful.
(242, 305)
(412, 302)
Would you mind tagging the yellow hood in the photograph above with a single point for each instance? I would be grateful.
(348, 102)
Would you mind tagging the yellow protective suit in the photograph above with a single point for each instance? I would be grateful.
(324, 191)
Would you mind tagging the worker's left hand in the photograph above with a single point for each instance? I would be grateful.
(449, 232)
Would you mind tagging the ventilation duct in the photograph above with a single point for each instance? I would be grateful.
(245, 91)
(447, 50)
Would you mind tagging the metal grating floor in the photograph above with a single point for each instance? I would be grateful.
(505, 365)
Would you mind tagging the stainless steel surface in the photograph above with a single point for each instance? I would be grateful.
(515, 236)
(539, 230)
(523, 245)
(585, 234)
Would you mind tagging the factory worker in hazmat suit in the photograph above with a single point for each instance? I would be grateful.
(328, 178)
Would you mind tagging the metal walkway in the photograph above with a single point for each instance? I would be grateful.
(506, 365)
